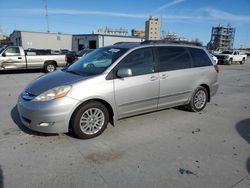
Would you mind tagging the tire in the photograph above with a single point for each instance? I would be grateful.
(201, 95)
(230, 62)
(50, 67)
(243, 61)
(84, 122)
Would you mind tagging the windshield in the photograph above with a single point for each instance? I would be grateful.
(227, 52)
(97, 61)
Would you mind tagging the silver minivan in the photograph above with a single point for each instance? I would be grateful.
(115, 82)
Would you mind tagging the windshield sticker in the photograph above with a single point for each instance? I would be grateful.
(114, 50)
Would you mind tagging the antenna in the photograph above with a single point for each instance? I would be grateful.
(46, 15)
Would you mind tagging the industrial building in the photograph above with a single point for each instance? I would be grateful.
(222, 38)
(111, 31)
(41, 40)
(138, 33)
(94, 41)
(153, 29)
(58, 41)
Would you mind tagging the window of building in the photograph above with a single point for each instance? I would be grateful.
(173, 58)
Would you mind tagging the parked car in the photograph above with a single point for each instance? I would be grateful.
(72, 56)
(228, 57)
(135, 79)
(14, 58)
(215, 62)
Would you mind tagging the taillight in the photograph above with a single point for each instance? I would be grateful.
(216, 67)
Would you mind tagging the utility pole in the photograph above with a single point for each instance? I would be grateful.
(46, 15)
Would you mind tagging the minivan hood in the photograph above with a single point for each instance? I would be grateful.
(52, 80)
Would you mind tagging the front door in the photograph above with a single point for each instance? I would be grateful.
(12, 59)
(138, 93)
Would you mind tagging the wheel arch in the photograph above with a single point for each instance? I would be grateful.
(208, 90)
(102, 101)
(50, 61)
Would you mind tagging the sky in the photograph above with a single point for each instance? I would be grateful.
(190, 18)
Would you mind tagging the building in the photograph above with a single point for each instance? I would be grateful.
(41, 40)
(138, 33)
(170, 36)
(153, 29)
(3, 37)
(94, 41)
(111, 31)
(222, 38)
(183, 39)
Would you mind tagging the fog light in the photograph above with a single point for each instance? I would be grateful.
(46, 124)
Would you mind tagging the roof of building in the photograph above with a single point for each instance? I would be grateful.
(105, 35)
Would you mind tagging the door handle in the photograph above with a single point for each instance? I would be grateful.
(153, 78)
(19, 58)
(164, 76)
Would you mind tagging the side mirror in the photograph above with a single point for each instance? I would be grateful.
(4, 55)
(124, 72)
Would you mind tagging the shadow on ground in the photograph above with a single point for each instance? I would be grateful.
(1, 177)
(15, 117)
(21, 71)
(243, 128)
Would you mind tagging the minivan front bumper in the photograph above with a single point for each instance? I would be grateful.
(47, 117)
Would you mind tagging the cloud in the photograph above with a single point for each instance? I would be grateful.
(219, 14)
(204, 14)
(81, 12)
(167, 5)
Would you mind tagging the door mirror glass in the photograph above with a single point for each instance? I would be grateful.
(124, 72)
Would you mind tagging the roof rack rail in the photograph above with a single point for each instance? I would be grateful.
(117, 43)
(170, 42)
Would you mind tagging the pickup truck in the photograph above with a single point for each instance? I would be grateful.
(228, 57)
(15, 58)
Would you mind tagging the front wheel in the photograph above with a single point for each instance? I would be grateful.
(199, 100)
(90, 120)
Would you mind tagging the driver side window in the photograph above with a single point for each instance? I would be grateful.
(140, 61)
(12, 51)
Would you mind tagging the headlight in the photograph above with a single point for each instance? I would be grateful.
(54, 93)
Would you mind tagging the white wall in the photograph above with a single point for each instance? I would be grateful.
(52, 41)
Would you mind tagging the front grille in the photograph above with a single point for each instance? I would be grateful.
(28, 96)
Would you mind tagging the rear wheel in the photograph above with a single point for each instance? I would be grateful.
(90, 120)
(50, 67)
(243, 61)
(199, 100)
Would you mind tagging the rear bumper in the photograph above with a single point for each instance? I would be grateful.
(56, 114)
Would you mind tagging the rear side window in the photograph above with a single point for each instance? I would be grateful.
(200, 57)
(173, 58)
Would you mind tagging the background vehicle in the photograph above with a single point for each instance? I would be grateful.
(72, 56)
(14, 58)
(135, 79)
(213, 57)
(228, 57)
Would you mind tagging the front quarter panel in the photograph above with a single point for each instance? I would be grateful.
(94, 88)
